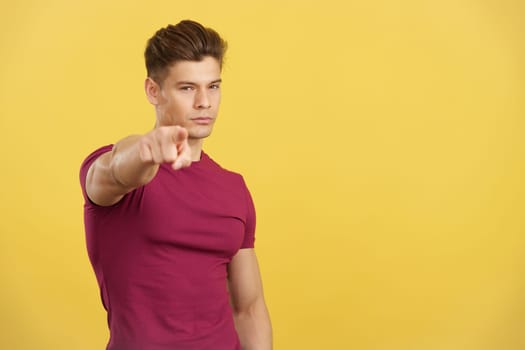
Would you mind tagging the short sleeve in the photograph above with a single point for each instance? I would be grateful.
(86, 164)
(249, 231)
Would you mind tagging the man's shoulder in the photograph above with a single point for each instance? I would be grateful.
(95, 154)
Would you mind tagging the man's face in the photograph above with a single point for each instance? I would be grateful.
(190, 96)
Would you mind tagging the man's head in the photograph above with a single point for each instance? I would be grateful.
(186, 41)
(184, 65)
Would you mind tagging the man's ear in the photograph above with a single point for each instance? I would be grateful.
(152, 90)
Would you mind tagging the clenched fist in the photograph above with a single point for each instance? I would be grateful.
(166, 144)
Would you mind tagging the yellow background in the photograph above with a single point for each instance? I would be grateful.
(383, 142)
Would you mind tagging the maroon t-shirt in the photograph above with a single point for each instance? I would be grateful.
(160, 256)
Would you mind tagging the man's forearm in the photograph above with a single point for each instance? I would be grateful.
(254, 328)
(126, 165)
(134, 161)
(117, 172)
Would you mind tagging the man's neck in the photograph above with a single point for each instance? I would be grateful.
(196, 149)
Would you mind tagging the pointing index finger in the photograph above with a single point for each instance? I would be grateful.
(180, 135)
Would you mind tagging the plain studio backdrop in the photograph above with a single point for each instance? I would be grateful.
(383, 142)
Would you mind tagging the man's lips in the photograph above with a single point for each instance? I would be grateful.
(202, 120)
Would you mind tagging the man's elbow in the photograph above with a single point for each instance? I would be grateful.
(248, 307)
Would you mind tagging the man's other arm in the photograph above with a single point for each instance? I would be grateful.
(252, 320)
(134, 161)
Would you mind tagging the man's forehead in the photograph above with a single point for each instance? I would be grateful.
(208, 69)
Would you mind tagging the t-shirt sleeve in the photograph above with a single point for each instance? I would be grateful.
(85, 167)
(249, 231)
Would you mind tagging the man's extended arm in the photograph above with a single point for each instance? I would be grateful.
(252, 320)
(134, 161)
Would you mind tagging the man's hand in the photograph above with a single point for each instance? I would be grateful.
(166, 144)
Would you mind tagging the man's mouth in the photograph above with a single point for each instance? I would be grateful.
(202, 120)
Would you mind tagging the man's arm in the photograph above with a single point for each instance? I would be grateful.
(252, 320)
(134, 162)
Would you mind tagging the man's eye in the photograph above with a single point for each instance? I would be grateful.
(214, 86)
(186, 88)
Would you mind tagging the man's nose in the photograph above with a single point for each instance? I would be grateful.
(202, 100)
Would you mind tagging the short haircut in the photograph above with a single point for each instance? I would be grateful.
(185, 41)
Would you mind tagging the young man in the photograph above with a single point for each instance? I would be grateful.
(170, 234)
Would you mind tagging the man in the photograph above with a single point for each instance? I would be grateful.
(170, 234)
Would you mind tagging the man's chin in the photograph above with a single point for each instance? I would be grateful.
(198, 135)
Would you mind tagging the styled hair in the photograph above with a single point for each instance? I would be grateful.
(185, 41)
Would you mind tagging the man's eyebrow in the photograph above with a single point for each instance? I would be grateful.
(193, 83)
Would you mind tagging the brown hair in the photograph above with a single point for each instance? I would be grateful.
(186, 41)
